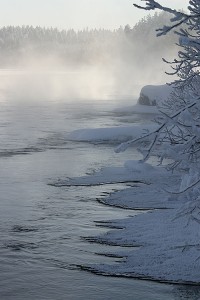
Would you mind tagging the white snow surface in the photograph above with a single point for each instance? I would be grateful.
(111, 134)
(158, 93)
(161, 244)
(168, 248)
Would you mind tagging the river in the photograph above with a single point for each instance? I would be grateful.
(42, 226)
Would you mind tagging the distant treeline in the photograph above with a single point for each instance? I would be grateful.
(97, 46)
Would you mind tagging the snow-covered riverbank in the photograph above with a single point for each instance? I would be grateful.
(161, 244)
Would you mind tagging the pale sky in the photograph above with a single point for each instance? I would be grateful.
(77, 14)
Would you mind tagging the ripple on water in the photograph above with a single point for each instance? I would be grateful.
(22, 228)
(19, 151)
(19, 246)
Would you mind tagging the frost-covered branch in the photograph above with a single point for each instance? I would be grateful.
(178, 136)
(151, 5)
(124, 146)
(178, 19)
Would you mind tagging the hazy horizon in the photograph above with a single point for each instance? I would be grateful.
(91, 65)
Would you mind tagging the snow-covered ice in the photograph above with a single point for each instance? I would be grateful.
(160, 243)
(111, 134)
(168, 248)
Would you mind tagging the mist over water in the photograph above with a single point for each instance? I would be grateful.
(78, 83)
(71, 84)
(89, 64)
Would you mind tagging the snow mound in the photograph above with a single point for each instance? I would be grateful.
(154, 94)
(110, 134)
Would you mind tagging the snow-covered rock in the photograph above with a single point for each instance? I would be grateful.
(154, 94)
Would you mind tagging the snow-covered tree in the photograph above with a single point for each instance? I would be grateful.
(178, 135)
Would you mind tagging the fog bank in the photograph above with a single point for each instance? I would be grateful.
(39, 63)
